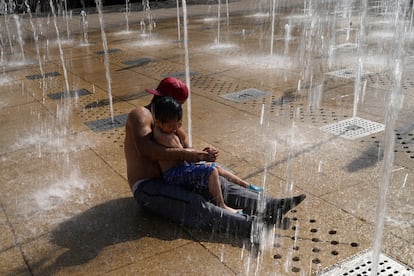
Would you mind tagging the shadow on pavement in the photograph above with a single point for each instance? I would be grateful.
(120, 220)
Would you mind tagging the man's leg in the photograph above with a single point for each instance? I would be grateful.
(190, 209)
(239, 197)
(273, 208)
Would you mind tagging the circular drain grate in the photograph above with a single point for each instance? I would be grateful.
(326, 246)
(215, 86)
(245, 95)
(346, 73)
(384, 81)
(315, 116)
(117, 136)
(404, 144)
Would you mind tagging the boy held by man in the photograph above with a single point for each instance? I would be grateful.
(168, 114)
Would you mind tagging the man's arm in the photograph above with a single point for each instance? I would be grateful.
(139, 123)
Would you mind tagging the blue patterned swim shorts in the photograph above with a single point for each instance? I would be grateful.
(190, 175)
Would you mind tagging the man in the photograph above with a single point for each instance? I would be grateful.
(174, 202)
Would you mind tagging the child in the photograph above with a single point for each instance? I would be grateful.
(167, 114)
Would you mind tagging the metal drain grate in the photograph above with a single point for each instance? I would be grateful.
(245, 95)
(137, 62)
(347, 45)
(347, 73)
(40, 76)
(384, 81)
(179, 74)
(361, 265)
(353, 128)
(73, 93)
(108, 123)
(345, 30)
(113, 50)
(243, 32)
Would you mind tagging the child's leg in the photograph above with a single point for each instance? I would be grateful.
(214, 188)
(231, 177)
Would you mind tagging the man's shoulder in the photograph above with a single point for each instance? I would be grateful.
(139, 117)
(140, 108)
(139, 111)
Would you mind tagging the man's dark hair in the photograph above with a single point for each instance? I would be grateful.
(166, 109)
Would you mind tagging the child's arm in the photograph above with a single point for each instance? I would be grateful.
(183, 137)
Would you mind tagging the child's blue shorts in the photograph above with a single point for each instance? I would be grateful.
(190, 175)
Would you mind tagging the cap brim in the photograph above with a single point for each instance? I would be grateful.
(153, 92)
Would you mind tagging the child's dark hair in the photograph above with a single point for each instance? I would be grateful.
(167, 108)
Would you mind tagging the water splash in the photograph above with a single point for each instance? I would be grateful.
(220, 46)
(5, 80)
(63, 113)
(272, 27)
(84, 28)
(149, 43)
(63, 189)
(187, 74)
(394, 106)
(148, 23)
(106, 57)
(178, 21)
(265, 61)
(218, 22)
(36, 38)
(19, 35)
(127, 12)
(361, 54)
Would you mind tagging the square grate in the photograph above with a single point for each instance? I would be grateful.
(179, 74)
(243, 32)
(245, 95)
(73, 93)
(347, 73)
(112, 50)
(345, 30)
(108, 123)
(361, 265)
(353, 128)
(40, 76)
(137, 62)
(347, 45)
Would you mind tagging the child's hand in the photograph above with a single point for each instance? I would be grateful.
(255, 188)
(212, 152)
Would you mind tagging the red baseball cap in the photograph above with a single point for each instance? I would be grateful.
(171, 87)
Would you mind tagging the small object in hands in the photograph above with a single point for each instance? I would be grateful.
(255, 188)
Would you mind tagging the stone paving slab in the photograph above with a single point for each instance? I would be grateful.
(187, 259)
(114, 230)
(13, 94)
(25, 129)
(13, 263)
(56, 194)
